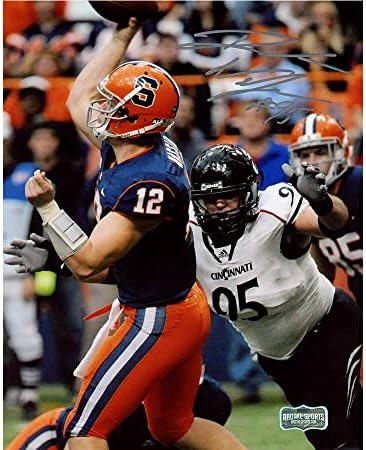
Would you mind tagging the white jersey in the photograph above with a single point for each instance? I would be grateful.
(272, 300)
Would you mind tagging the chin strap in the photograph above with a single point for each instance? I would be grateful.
(104, 134)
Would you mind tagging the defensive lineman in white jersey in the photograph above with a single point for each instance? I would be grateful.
(271, 300)
(255, 266)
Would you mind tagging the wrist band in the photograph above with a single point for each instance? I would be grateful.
(48, 211)
(66, 235)
(324, 207)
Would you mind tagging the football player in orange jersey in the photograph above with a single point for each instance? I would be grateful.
(144, 353)
(323, 141)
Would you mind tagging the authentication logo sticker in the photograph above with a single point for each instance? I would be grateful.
(304, 418)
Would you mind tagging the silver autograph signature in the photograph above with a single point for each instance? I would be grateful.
(283, 109)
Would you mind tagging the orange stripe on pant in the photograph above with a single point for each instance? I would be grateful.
(40, 431)
(153, 356)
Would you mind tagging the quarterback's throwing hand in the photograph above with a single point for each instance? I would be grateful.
(39, 190)
(126, 33)
(310, 182)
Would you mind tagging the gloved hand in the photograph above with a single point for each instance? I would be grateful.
(30, 255)
(310, 182)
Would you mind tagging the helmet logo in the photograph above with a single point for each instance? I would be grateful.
(206, 186)
(146, 96)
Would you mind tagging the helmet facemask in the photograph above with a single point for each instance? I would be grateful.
(335, 157)
(321, 130)
(226, 227)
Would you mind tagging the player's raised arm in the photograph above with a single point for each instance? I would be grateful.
(328, 214)
(84, 89)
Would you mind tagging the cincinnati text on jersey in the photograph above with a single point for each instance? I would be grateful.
(227, 273)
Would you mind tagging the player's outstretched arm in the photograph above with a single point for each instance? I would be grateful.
(328, 214)
(104, 61)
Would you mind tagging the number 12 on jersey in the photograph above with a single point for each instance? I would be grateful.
(149, 201)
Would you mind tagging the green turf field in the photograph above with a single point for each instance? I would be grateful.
(256, 425)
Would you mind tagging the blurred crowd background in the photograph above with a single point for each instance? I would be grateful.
(47, 43)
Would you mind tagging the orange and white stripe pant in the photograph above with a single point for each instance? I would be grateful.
(153, 356)
(41, 433)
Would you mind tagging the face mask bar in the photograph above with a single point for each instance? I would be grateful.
(213, 194)
(224, 225)
(103, 110)
(336, 157)
(223, 228)
(99, 113)
(247, 193)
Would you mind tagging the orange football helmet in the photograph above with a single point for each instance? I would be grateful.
(317, 130)
(138, 98)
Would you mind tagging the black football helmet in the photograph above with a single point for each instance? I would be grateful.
(224, 170)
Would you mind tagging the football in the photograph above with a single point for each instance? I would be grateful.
(120, 12)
